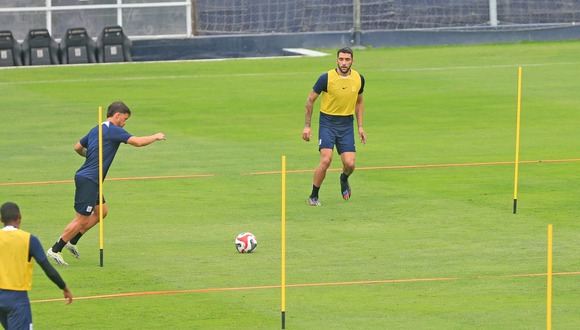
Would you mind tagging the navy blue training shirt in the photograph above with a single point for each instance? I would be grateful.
(113, 136)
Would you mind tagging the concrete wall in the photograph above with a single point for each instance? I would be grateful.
(469, 36)
(272, 44)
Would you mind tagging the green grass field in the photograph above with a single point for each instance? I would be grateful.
(423, 244)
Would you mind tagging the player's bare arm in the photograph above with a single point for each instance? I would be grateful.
(82, 151)
(307, 132)
(359, 111)
(141, 141)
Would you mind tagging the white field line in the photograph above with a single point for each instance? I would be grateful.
(502, 66)
(262, 74)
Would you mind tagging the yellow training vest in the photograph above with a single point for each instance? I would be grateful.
(341, 94)
(15, 269)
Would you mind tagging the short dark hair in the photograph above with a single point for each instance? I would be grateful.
(345, 50)
(9, 212)
(118, 106)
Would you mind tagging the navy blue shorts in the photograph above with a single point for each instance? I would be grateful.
(336, 131)
(15, 312)
(340, 136)
(86, 195)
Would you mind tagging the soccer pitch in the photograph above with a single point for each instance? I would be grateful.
(428, 240)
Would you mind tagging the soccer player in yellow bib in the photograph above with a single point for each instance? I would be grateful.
(342, 99)
(18, 248)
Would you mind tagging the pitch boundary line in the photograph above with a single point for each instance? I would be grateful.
(391, 167)
(302, 285)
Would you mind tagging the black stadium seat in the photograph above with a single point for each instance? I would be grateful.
(10, 50)
(113, 45)
(77, 47)
(40, 48)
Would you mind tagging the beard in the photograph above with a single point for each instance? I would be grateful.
(344, 69)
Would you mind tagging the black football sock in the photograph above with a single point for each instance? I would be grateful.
(315, 190)
(75, 239)
(343, 177)
(59, 245)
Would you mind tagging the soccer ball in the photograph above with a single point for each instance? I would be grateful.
(246, 242)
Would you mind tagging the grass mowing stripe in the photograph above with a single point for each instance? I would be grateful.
(153, 293)
(441, 222)
(429, 166)
(503, 66)
(205, 76)
(193, 176)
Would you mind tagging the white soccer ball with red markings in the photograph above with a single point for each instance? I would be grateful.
(246, 242)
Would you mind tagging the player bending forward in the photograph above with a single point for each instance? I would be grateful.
(87, 177)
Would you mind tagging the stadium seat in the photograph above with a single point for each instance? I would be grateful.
(10, 50)
(40, 48)
(113, 45)
(77, 47)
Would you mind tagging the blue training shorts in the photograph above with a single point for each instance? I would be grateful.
(340, 136)
(86, 195)
(15, 312)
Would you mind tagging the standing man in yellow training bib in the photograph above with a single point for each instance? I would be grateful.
(18, 250)
(342, 98)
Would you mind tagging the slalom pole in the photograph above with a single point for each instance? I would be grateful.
(101, 234)
(549, 295)
(283, 257)
(517, 161)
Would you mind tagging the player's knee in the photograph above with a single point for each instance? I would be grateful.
(349, 166)
(82, 221)
(105, 211)
(325, 163)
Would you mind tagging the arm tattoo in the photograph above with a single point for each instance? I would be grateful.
(308, 112)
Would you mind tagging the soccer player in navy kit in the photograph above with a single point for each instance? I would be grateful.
(342, 98)
(87, 177)
(17, 249)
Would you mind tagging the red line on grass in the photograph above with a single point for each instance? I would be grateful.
(527, 275)
(136, 294)
(34, 183)
(187, 176)
(429, 166)
(153, 293)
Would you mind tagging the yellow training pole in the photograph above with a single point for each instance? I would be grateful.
(101, 234)
(283, 285)
(517, 162)
(549, 298)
